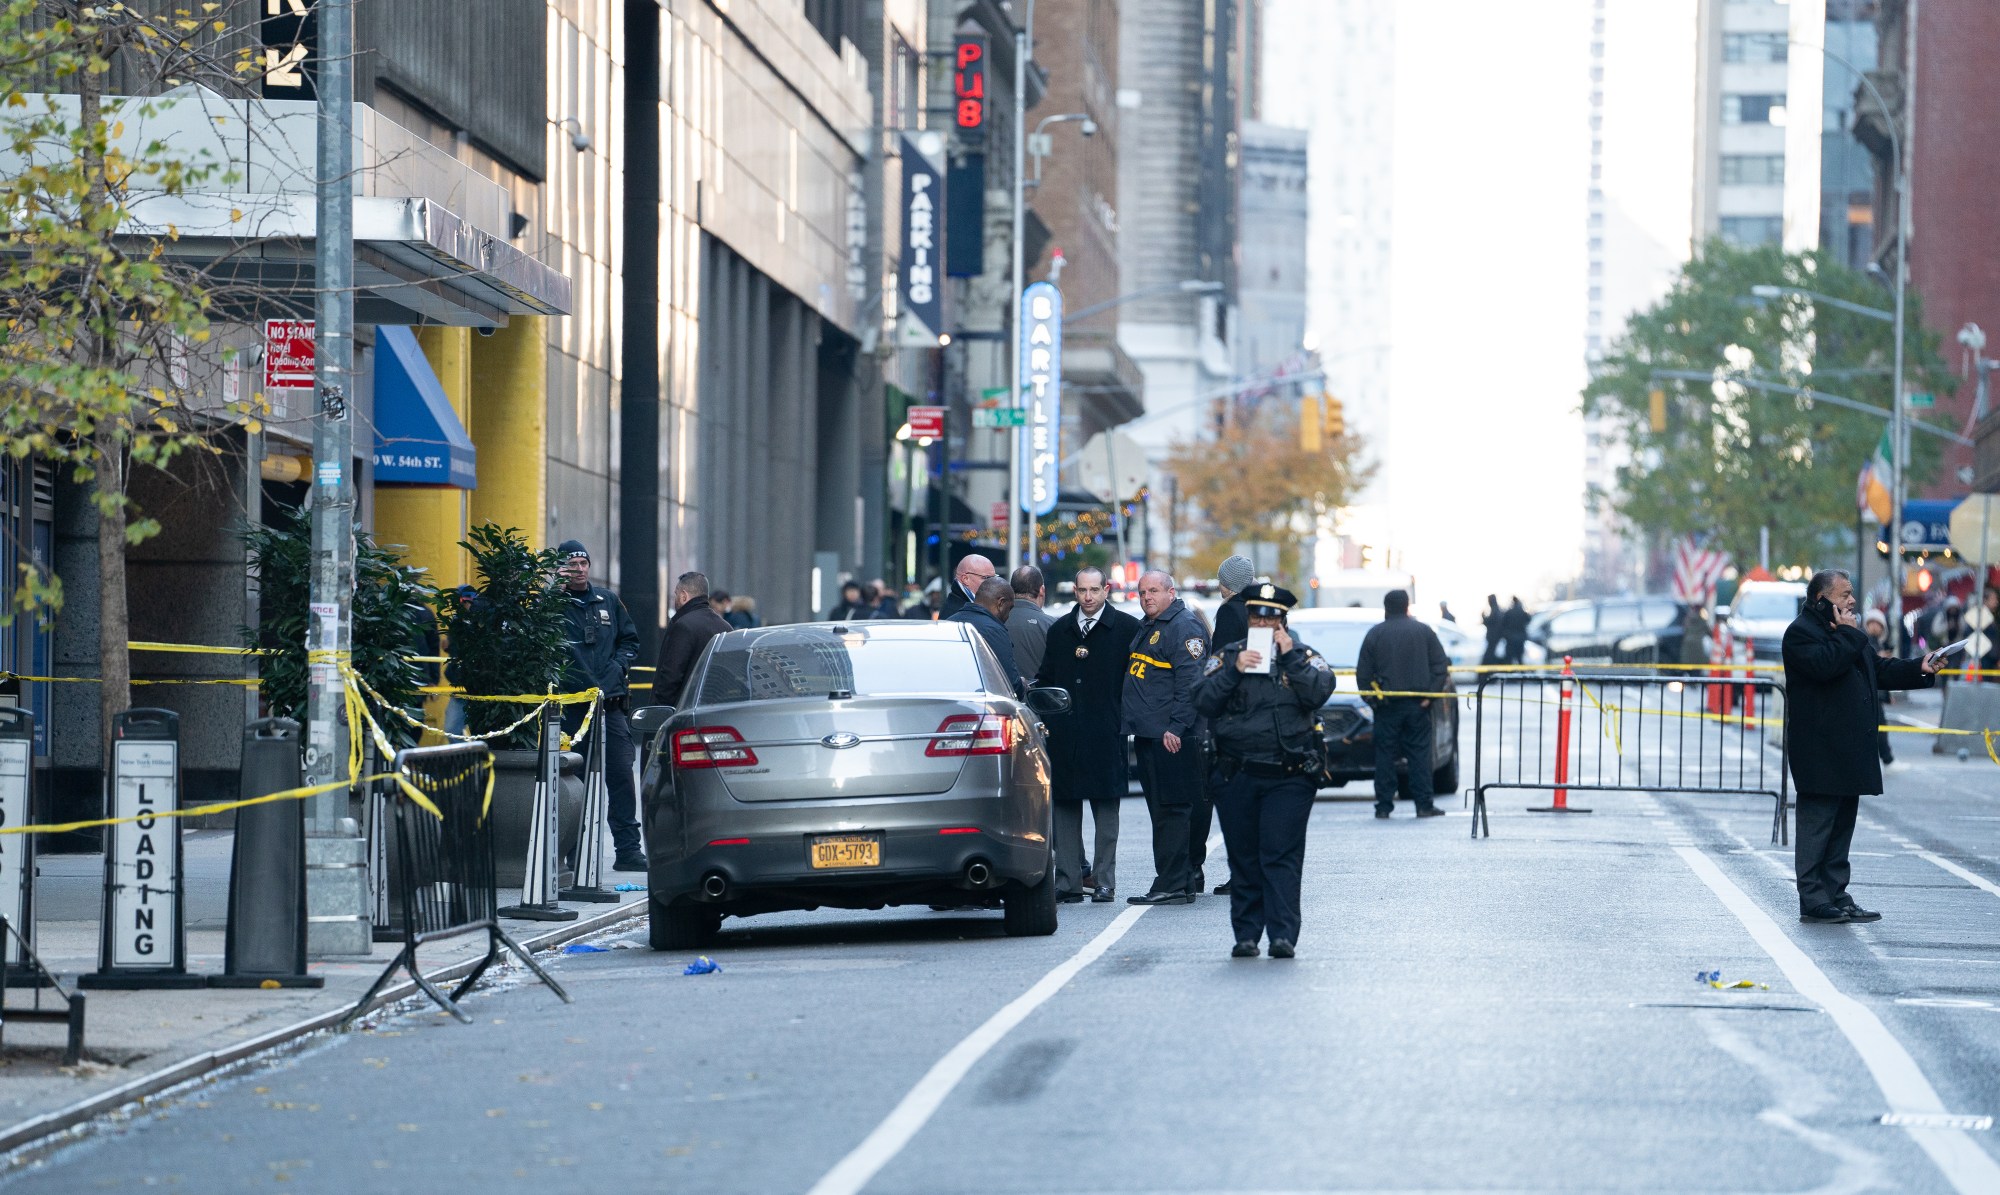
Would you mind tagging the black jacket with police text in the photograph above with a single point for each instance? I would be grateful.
(1167, 652)
(603, 642)
(1264, 718)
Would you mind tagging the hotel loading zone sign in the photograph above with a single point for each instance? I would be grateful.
(143, 944)
(1041, 397)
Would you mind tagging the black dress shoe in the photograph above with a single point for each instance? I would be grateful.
(1222, 889)
(1281, 948)
(1102, 896)
(629, 862)
(1857, 913)
(1433, 811)
(1069, 898)
(1382, 815)
(1243, 949)
(1825, 915)
(1161, 898)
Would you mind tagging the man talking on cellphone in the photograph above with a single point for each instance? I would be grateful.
(1832, 676)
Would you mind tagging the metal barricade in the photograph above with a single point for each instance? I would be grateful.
(443, 865)
(34, 974)
(1630, 732)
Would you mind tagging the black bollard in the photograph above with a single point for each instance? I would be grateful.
(266, 942)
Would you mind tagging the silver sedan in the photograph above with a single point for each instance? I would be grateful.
(850, 766)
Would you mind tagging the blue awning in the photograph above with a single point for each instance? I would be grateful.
(418, 437)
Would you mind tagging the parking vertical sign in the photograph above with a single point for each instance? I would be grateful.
(1041, 397)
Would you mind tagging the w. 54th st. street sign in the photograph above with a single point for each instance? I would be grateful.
(1041, 397)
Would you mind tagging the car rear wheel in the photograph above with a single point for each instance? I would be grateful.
(1030, 912)
(681, 926)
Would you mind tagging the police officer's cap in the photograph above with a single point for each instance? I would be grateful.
(1268, 599)
(571, 549)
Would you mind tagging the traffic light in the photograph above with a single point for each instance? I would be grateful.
(1333, 419)
(1656, 403)
(1309, 424)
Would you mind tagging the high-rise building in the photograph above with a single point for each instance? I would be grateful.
(1347, 48)
(1180, 70)
(1757, 144)
(1847, 172)
(1271, 326)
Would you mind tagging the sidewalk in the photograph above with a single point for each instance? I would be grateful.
(140, 1042)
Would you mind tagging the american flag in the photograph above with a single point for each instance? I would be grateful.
(1696, 570)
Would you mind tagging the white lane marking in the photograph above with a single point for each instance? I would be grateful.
(1796, 1096)
(908, 1117)
(1964, 1164)
(1976, 880)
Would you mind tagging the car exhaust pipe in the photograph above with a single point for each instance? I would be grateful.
(714, 885)
(978, 873)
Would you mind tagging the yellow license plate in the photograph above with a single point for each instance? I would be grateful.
(846, 850)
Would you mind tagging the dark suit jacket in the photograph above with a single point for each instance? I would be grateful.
(1832, 676)
(1087, 744)
(690, 629)
(994, 632)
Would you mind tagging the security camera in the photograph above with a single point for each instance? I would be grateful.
(1089, 127)
(488, 331)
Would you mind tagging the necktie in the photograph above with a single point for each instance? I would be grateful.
(1087, 624)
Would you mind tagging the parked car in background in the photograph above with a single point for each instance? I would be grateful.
(857, 766)
(1618, 630)
(1760, 612)
(1349, 722)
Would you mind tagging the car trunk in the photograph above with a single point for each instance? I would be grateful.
(795, 763)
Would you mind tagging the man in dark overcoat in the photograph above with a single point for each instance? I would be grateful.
(1832, 678)
(1087, 652)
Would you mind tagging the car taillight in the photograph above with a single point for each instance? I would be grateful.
(709, 747)
(972, 734)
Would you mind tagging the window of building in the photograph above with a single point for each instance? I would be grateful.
(1754, 47)
(1753, 230)
(1753, 170)
(1753, 109)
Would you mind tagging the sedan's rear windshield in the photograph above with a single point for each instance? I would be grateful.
(1339, 642)
(777, 667)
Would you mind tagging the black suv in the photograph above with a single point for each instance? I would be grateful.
(1620, 630)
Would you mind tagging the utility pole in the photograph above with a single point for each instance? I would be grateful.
(1899, 418)
(336, 894)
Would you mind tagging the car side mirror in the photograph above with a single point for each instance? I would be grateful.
(1049, 701)
(647, 719)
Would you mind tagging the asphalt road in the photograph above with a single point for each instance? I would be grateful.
(1513, 1014)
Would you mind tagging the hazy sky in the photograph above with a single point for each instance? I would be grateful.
(1481, 483)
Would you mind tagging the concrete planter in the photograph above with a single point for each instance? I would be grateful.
(514, 804)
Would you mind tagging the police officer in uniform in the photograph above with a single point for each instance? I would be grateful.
(1268, 759)
(603, 646)
(1158, 712)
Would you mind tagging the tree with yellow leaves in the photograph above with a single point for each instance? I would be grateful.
(100, 326)
(1255, 479)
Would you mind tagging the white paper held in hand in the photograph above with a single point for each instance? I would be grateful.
(1261, 642)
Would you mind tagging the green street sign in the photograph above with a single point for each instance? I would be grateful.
(997, 394)
(999, 417)
(1921, 401)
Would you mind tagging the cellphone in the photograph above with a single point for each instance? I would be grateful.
(1822, 608)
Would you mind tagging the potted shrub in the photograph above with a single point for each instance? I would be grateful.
(513, 638)
(391, 614)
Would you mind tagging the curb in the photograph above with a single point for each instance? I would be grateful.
(29, 1131)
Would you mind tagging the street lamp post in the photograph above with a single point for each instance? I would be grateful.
(1899, 433)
